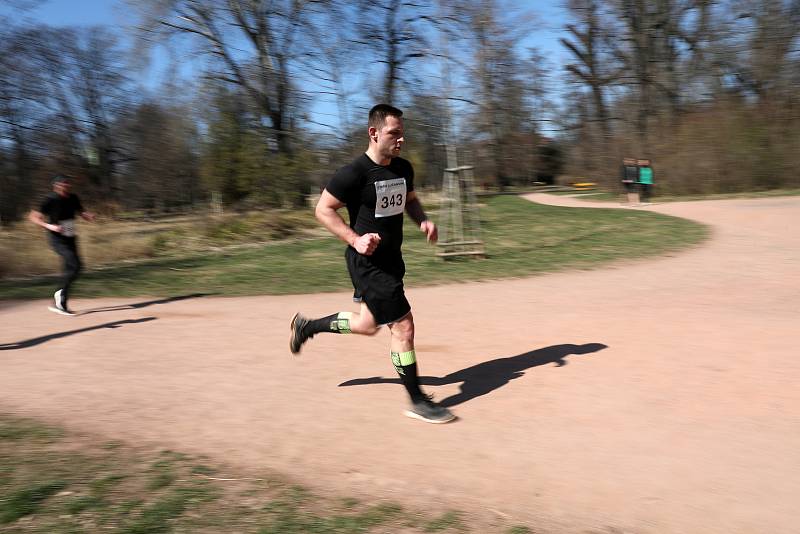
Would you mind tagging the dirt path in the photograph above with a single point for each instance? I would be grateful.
(677, 409)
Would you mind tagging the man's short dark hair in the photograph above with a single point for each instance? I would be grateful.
(60, 178)
(378, 114)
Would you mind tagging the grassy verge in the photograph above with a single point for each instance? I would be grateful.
(53, 481)
(24, 248)
(594, 194)
(613, 197)
(522, 239)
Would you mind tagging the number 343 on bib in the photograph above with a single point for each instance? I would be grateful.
(390, 197)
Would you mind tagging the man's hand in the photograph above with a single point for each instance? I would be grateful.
(430, 231)
(367, 243)
(54, 227)
(89, 216)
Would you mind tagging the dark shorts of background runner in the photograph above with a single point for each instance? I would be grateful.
(380, 287)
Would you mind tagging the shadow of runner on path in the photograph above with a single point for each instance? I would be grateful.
(43, 339)
(486, 377)
(137, 305)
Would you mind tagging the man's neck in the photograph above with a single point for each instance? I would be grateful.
(376, 158)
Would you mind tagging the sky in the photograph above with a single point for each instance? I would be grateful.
(547, 28)
(64, 12)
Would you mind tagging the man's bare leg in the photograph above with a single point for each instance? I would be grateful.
(303, 329)
(404, 359)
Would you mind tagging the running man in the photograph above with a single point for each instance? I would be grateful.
(376, 188)
(60, 207)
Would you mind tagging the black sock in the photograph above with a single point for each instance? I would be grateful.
(405, 363)
(338, 323)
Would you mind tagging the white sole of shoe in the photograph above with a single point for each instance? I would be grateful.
(60, 312)
(412, 415)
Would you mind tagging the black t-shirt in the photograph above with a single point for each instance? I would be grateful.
(375, 196)
(630, 173)
(58, 209)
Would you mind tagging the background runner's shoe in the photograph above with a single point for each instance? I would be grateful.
(61, 311)
(298, 337)
(430, 412)
(60, 306)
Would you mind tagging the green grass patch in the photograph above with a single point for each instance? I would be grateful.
(522, 239)
(84, 502)
(67, 483)
(589, 193)
(25, 501)
(447, 521)
(724, 196)
(608, 196)
(597, 195)
(24, 430)
(162, 475)
(157, 517)
(290, 517)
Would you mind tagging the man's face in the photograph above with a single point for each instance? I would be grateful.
(390, 137)
(62, 188)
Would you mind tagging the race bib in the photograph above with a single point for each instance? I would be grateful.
(67, 227)
(390, 197)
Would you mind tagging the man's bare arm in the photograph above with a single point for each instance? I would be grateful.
(37, 218)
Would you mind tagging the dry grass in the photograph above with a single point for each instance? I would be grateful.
(54, 481)
(523, 239)
(24, 250)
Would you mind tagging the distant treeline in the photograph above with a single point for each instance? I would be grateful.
(705, 89)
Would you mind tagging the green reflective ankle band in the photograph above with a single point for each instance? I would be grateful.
(401, 359)
(342, 323)
(407, 358)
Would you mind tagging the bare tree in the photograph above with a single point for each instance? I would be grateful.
(60, 90)
(332, 63)
(160, 170)
(763, 58)
(595, 67)
(394, 33)
(256, 45)
(501, 88)
(95, 92)
(15, 124)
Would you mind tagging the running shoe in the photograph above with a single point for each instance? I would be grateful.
(298, 336)
(429, 411)
(61, 311)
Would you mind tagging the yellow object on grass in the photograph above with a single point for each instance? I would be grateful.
(584, 185)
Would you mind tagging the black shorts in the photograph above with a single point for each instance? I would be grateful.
(379, 286)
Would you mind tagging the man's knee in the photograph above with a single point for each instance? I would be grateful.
(363, 325)
(404, 328)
